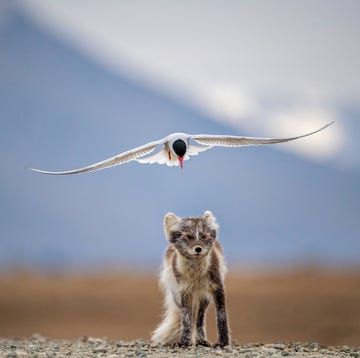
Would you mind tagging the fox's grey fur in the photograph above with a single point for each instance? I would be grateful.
(192, 274)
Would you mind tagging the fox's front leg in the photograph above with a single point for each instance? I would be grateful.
(221, 317)
(186, 320)
(200, 323)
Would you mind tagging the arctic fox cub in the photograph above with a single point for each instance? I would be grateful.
(192, 274)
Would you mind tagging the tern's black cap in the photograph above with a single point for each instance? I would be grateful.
(179, 147)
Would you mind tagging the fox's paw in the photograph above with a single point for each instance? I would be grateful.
(221, 344)
(182, 344)
(203, 342)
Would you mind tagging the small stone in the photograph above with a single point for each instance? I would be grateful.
(100, 349)
(140, 342)
(354, 354)
(268, 350)
(11, 355)
(285, 353)
(314, 347)
(39, 338)
(32, 347)
(90, 340)
(279, 346)
(99, 341)
(141, 354)
(243, 351)
(228, 349)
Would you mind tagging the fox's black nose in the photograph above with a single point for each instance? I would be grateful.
(198, 249)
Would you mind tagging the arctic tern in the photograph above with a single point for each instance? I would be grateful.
(176, 148)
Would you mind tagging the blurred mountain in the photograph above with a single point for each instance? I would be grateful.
(61, 110)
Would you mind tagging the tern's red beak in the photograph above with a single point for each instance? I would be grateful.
(180, 161)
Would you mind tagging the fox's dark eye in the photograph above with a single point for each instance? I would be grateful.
(174, 236)
(207, 239)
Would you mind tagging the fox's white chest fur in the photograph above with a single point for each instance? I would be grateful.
(193, 272)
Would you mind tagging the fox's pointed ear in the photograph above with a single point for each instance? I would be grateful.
(211, 220)
(171, 223)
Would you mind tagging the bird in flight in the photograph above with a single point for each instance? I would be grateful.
(175, 148)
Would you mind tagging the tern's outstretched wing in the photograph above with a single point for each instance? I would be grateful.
(235, 141)
(113, 161)
(195, 150)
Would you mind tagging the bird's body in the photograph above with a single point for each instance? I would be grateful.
(176, 148)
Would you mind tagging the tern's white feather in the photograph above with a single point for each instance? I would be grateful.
(195, 150)
(161, 157)
(167, 154)
(236, 141)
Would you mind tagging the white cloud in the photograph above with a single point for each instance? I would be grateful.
(286, 49)
(227, 101)
(297, 121)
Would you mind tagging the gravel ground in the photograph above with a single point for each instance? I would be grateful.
(38, 346)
